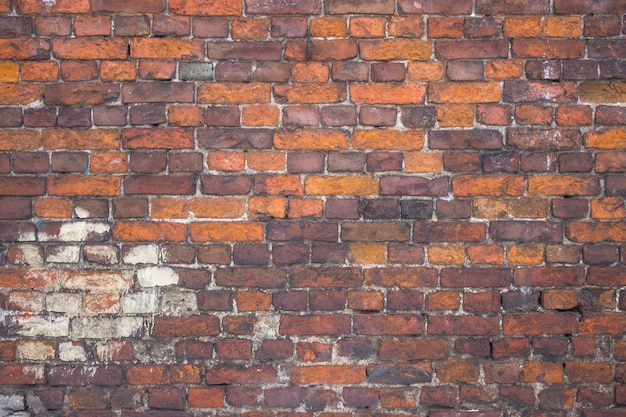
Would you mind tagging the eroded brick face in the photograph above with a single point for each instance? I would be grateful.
(312, 208)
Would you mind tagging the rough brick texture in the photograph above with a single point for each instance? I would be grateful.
(312, 208)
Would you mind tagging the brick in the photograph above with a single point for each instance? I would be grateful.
(602, 92)
(325, 324)
(397, 49)
(471, 49)
(197, 8)
(422, 349)
(333, 375)
(435, 7)
(601, 7)
(548, 48)
(379, 139)
(445, 27)
(379, 93)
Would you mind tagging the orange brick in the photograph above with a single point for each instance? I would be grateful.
(459, 93)
(205, 397)
(608, 208)
(491, 185)
(395, 49)
(367, 253)
(341, 185)
(278, 185)
(328, 374)
(504, 69)
(77, 185)
(562, 26)
(307, 207)
(310, 72)
(446, 255)
(366, 300)
(545, 372)
(312, 139)
(490, 208)
(445, 27)
(178, 208)
(250, 28)
(40, 71)
(522, 26)
(21, 94)
(613, 138)
(90, 48)
(162, 48)
(226, 161)
(314, 93)
(204, 8)
(423, 162)
(81, 139)
(573, 116)
(458, 370)
(261, 115)
(443, 301)
(456, 116)
(259, 207)
(226, 231)
(149, 231)
(559, 299)
(118, 71)
(22, 140)
(92, 25)
(328, 27)
(61, 6)
(551, 185)
(266, 160)
(425, 71)
(388, 139)
(406, 26)
(525, 254)
(234, 93)
(379, 93)
(486, 255)
(185, 116)
(53, 208)
(368, 27)
(253, 301)
(9, 72)
(108, 162)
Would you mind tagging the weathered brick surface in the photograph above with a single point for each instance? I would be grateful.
(320, 208)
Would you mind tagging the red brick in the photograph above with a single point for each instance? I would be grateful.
(539, 323)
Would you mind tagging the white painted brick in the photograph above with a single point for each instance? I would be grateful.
(36, 326)
(157, 276)
(72, 352)
(63, 254)
(177, 302)
(12, 402)
(69, 303)
(106, 327)
(140, 303)
(75, 232)
(35, 350)
(141, 254)
(31, 255)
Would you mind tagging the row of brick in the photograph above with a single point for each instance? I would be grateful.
(261, 28)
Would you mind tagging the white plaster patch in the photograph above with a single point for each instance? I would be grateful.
(30, 255)
(36, 326)
(177, 302)
(106, 328)
(69, 303)
(82, 213)
(142, 254)
(140, 303)
(63, 254)
(75, 232)
(157, 276)
(35, 350)
(72, 352)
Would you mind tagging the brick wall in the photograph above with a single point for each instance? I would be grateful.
(331, 208)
